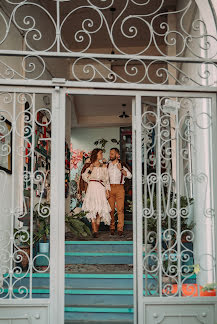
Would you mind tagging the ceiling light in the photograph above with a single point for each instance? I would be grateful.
(123, 115)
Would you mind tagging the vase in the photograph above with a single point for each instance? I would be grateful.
(43, 247)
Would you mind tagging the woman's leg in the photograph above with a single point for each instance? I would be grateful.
(94, 226)
(97, 222)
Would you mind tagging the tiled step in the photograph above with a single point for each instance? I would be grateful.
(99, 246)
(83, 280)
(99, 252)
(92, 313)
(85, 297)
(99, 297)
(100, 281)
(90, 281)
(98, 258)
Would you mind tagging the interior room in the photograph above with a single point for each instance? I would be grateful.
(96, 121)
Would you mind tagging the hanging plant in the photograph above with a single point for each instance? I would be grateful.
(113, 140)
(102, 143)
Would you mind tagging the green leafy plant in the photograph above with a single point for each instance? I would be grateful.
(102, 143)
(113, 140)
(210, 286)
(22, 237)
(41, 222)
(152, 221)
(76, 226)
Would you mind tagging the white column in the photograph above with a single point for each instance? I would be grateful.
(57, 219)
(202, 192)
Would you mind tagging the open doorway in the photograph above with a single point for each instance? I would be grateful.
(98, 270)
(104, 122)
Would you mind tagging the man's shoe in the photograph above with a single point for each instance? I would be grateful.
(95, 234)
(112, 232)
(120, 233)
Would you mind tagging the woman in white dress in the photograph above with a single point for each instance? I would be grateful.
(97, 194)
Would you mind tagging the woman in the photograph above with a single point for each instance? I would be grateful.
(95, 201)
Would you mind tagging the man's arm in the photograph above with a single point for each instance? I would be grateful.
(127, 173)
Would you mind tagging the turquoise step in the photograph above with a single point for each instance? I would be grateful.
(98, 258)
(103, 313)
(83, 280)
(98, 297)
(84, 297)
(99, 246)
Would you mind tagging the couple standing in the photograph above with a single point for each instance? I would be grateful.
(105, 188)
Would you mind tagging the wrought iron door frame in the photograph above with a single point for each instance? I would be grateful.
(139, 310)
(57, 223)
(143, 302)
(56, 300)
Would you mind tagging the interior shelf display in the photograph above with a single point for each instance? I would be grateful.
(67, 169)
(126, 157)
(126, 145)
(42, 153)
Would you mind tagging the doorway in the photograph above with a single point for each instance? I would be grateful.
(169, 188)
(102, 266)
(174, 185)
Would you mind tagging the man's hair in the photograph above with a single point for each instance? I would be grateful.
(116, 150)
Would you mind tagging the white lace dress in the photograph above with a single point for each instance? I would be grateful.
(95, 201)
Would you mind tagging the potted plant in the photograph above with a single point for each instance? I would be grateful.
(42, 224)
(22, 245)
(75, 225)
(209, 290)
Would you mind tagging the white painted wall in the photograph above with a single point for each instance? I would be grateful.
(83, 138)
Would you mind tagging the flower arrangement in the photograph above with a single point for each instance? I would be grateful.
(78, 156)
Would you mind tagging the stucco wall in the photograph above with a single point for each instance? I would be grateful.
(83, 138)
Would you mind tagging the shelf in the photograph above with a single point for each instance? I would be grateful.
(42, 152)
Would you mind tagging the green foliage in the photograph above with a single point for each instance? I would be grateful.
(22, 236)
(76, 225)
(113, 140)
(211, 286)
(102, 143)
(152, 206)
(41, 222)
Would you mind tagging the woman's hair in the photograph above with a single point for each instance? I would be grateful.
(94, 154)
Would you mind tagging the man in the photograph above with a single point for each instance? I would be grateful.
(117, 174)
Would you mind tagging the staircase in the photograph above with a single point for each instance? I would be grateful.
(98, 282)
(99, 297)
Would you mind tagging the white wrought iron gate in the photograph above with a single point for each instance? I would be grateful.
(132, 45)
(174, 137)
(175, 156)
(31, 173)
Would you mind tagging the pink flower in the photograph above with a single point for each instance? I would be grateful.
(76, 157)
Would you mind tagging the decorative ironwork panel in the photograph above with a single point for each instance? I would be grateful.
(131, 41)
(25, 156)
(178, 207)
